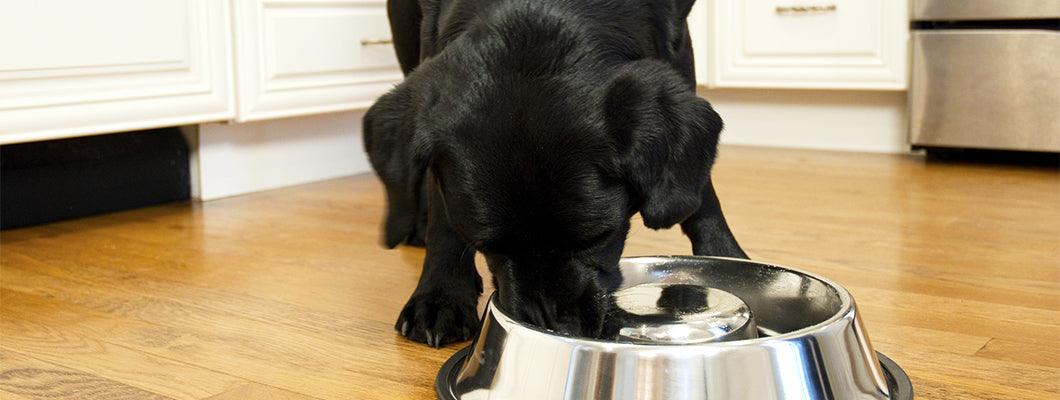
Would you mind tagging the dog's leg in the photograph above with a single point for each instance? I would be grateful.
(442, 309)
(708, 231)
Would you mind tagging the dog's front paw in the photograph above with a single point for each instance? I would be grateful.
(438, 318)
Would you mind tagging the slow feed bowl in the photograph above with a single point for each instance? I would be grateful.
(694, 328)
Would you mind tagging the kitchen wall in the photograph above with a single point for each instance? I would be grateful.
(240, 158)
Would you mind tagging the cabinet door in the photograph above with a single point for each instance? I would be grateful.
(817, 44)
(75, 67)
(299, 57)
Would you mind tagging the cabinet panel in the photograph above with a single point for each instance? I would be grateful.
(76, 68)
(30, 28)
(304, 57)
(827, 44)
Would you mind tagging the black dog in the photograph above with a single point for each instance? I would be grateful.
(531, 131)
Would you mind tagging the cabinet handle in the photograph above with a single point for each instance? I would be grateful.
(376, 42)
(805, 9)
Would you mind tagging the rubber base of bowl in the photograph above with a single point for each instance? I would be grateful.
(447, 375)
(897, 381)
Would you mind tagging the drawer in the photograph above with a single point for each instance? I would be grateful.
(72, 68)
(945, 10)
(827, 44)
(993, 89)
(300, 57)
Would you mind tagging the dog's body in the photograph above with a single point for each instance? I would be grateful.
(531, 131)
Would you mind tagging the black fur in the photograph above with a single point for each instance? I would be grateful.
(531, 131)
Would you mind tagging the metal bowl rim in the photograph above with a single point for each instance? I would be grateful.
(846, 308)
(898, 384)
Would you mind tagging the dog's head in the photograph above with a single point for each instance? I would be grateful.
(542, 175)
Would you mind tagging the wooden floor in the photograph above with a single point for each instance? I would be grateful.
(287, 295)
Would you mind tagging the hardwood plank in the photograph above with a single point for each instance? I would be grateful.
(893, 334)
(25, 377)
(329, 282)
(936, 387)
(216, 342)
(1041, 354)
(15, 396)
(259, 391)
(59, 337)
(134, 296)
(983, 375)
(983, 318)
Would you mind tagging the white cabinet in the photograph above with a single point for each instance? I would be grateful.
(815, 44)
(74, 67)
(299, 57)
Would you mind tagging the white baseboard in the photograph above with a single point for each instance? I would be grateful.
(234, 159)
(865, 121)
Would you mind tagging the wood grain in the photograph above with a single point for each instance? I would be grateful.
(70, 338)
(259, 391)
(24, 377)
(287, 295)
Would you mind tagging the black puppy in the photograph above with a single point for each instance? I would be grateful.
(531, 131)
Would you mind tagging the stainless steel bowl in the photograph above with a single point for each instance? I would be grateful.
(810, 345)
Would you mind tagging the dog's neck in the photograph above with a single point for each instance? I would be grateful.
(550, 37)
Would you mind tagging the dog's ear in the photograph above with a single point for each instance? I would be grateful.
(667, 137)
(399, 153)
(683, 7)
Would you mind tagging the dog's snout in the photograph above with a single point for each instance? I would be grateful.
(579, 316)
(569, 297)
(543, 313)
